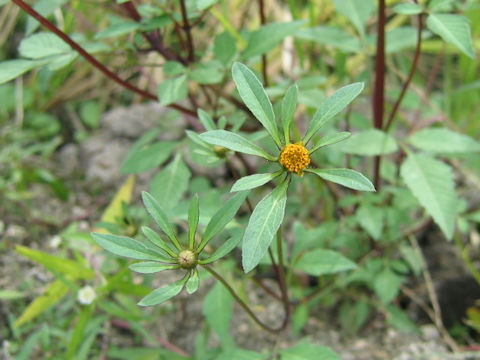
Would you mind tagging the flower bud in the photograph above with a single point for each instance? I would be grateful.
(187, 259)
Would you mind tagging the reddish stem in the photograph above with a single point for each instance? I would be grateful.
(155, 39)
(379, 89)
(263, 21)
(410, 75)
(186, 27)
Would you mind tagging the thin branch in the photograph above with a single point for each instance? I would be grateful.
(378, 102)
(432, 295)
(155, 39)
(242, 303)
(187, 28)
(263, 21)
(410, 75)
(50, 26)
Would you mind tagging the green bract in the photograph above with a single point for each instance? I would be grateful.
(172, 255)
(292, 158)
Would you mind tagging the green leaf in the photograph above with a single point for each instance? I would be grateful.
(408, 9)
(11, 295)
(241, 354)
(198, 141)
(158, 241)
(412, 258)
(193, 282)
(206, 120)
(173, 68)
(370, 219)
(399, 320)
(440, 5)
(330, 139)
(170, 184)
(329, 35)
(158, 214)
(41, 45)
(172, 90)
(346, 177)
(147, 158)
(331, 107)
(149, 267)
(44, 8)
(454, 29)
(268, 36)
(224, 47)
(431, 182)
(352, 316)
(289, 104)
(78, 335)
(223, 250)
(57, 264)
(308, 351)
(443, 141)
(356, 11)
(299, 318)
(254, 96)
(320, 262)
(127, 247)
(218, 309)
(164, 293)
(222, 217)
(370, 143)
(193, 216)
(401, 38)
(54, 292)
(234, 142)
(253, 181)
(203, 4)
(210, 72)
(263, 225)
(90, 113)
(387, 285)
(117, 30)
(12, 69)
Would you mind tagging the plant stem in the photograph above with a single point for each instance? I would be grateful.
(378, 102)
(263, 21)
(281, 279)
(410, 75)
(240, 301)
(186, 27)
(50, 26)
(432, 296)
(155, 39)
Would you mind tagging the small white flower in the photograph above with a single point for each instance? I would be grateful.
(86, 295)
(55, 241)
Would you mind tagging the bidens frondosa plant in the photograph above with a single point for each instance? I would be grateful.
(292, 158)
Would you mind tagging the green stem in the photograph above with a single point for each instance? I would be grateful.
(281, 279)
(240, 301)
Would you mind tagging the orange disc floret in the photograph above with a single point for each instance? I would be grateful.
(295, 158)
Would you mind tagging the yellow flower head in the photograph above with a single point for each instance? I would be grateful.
(295, 158)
